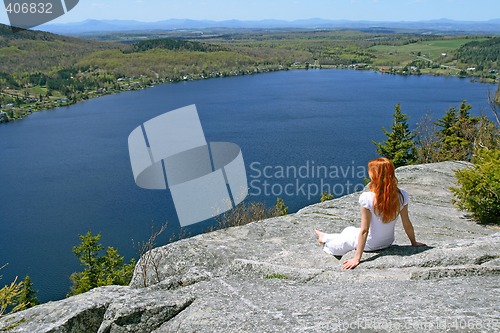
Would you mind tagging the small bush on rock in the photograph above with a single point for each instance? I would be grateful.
(479, 187)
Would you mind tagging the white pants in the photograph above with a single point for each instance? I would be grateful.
(340, 244)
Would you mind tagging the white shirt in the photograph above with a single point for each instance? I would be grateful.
(380, 235)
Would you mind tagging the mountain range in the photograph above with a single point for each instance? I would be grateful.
(97, 26)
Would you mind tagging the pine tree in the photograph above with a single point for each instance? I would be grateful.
(28, 294)
(88, 254)
(99, 270)
(114, 270)
(457, 133)
(400, 144)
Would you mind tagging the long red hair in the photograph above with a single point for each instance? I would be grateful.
(385, 186)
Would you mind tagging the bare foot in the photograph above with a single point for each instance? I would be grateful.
(320, 235)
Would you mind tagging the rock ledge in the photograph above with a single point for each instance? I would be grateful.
(271, 276)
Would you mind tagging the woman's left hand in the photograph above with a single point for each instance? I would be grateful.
(350, 264)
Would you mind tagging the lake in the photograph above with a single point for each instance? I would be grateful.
(66, 171)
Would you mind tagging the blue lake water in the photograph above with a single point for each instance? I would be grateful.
(66, 171)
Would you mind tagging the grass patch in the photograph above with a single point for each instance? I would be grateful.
(38, 91)
(432, 49)
(10, 327)
(276, 276)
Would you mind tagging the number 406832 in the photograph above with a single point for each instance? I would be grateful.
(29, 8)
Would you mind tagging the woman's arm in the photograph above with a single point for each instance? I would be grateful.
(409, 227)
(366, 216)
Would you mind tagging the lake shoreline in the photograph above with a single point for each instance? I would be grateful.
(132, 86)
(63, 102)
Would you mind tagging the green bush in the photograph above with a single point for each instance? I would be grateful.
(325, 196)
(280, 209)
(9, 297)
(479, 187)
(12, 296)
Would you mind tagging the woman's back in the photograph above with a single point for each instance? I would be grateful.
(381, 235)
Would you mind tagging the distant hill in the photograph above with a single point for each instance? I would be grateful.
(444, 25)
(31, 50)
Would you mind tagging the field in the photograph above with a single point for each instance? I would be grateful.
(430, 49)
(39, 70)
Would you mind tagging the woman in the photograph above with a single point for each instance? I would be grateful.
(379, 209)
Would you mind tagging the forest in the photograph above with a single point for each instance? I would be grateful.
(40, 70)
(484, 54)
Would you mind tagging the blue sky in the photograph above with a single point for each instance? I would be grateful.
(373, 10)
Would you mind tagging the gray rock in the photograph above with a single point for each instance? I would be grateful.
(272, 276)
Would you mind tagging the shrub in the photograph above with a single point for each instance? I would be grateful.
(245, 213)
(280, 208)
(10, 297)
(150, 260)
(479, 187)
(325, 196)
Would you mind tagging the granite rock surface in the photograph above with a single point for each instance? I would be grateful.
(272, 276)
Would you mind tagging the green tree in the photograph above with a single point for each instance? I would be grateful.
(114, 270)
(479, 187)
(28, 294)
(88, 254)
(98, 270)
(457, 134)
(400, 144)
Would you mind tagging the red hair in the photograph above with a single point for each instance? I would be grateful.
(385, 186)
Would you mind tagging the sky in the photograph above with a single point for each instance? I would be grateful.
(371, 10)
